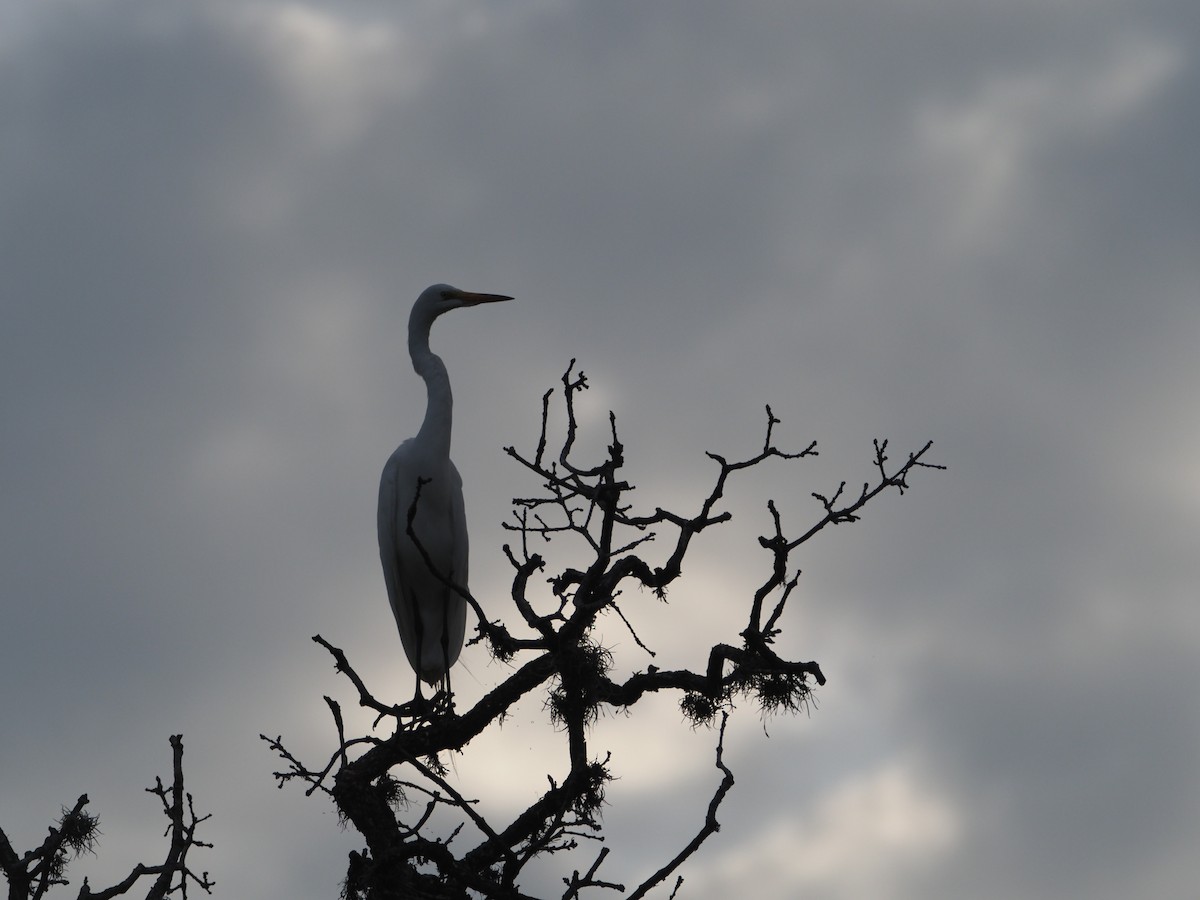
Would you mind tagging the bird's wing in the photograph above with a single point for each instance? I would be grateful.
(456, 612)
(392, 525)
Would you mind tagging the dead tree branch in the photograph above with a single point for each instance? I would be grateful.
(32, 875)
(553, 648)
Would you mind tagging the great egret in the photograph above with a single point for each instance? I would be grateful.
(431, 616)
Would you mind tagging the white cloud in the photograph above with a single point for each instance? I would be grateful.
(333, 68)
(857, 841)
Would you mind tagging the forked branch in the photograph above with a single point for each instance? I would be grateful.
(585, 506)
(33, 874)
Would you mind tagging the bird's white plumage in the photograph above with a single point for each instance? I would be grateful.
(430, 615)
(426, 609)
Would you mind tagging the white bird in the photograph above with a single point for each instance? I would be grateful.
(430, 615)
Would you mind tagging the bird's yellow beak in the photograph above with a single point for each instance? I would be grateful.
(470, 298)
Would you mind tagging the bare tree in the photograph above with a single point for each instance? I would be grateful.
(32, 875)
(390, 788)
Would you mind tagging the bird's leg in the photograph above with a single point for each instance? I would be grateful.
(446, 655)
(445, 642)
(445, 699)
(418, 697)
(417, 709)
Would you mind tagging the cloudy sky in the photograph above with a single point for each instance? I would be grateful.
(969, 222)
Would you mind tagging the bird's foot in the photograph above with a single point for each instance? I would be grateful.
(442, 704)
(425, 709)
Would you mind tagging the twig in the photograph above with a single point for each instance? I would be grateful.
(711, 825)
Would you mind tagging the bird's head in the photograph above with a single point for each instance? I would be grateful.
(439, 298)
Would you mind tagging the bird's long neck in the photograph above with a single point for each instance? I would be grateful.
(439, 406)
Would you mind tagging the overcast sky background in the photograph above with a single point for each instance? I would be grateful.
(970, 222)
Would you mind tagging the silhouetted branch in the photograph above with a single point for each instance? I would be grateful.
(577, 883)
(585, 506)
(711, 825)
(31, 875)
